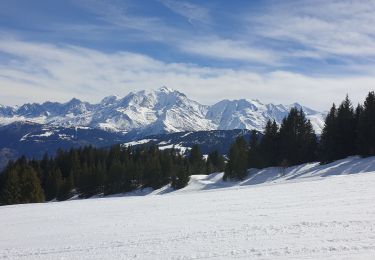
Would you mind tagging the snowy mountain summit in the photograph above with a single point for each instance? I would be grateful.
(155, 112)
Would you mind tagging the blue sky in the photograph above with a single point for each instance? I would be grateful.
(313, 52)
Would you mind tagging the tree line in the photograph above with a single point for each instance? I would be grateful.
(89, 171)
(347, 131)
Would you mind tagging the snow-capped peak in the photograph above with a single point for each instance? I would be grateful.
(166, 90)
(156, 111)
(109, 100)
(73, 101)
(252, 114)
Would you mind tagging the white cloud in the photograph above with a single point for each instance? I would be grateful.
(228, 49)
(191, 11)
(280, 35)
(341, 28)
(40, 72)
(151, 28)
(154, 29)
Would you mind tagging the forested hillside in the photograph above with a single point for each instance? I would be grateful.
(89, 171)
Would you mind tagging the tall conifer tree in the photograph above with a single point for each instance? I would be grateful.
(236, 168)
(366, 127)
(298, 142)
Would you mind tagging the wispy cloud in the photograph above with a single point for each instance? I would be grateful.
(339, 28)
(284, 32)
(288, 51)
(119, 16)
(155, 29)
(51, 72)
(188, 10)
(227, 49)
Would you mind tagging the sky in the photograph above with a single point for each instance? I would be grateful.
(311, 52)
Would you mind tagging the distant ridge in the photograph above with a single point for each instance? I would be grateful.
(152, 112)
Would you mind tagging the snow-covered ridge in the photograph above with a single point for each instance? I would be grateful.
(271, 176)
(155, 112)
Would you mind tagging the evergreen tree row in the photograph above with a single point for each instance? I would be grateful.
(89, 171)
(293, 143)
(347, 131)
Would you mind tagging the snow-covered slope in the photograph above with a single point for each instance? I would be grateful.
(208, 141)
(312, 212)
(252, 114)
(154, 112)
(276, 175)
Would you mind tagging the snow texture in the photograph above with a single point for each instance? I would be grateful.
(304, 212)
(156, 112)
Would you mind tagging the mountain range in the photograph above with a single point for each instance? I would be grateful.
(160, 111)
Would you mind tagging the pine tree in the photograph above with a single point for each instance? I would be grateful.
(357, 116)
(153, 178)
(255, 159)
(181, 178)
(84, 184)
(197, 163)
(53, 184)
(21, 184)
(11, 188)
(66, 187)
(31, 190)
(35, 164)
(113, 182)
(88, 171)
(209, 166)
(236, 168)
(366, 127)
(167, 167)
(99, 177)
(298, 142)
(346, 129)
(328, 140)
(76, 166)
(269, 144)
(215, 162)
(114, 154)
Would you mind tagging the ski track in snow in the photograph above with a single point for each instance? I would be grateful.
(301, 215)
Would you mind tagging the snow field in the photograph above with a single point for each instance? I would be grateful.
(311, 212)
